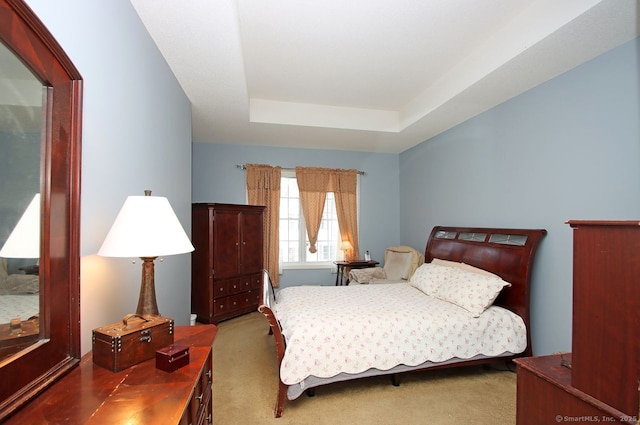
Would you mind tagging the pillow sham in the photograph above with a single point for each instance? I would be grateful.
(16, 284)
(472, 291)
(449, 263)
(472, 269)
(3, 270)
(463, 266)
(429, 277)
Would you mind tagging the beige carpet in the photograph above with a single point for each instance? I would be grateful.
(245, 386)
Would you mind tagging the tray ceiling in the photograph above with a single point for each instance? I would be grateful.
(368, 75)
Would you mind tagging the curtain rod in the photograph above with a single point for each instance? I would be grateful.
(244, 167)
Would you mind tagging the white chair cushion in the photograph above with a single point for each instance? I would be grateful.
(397, 265)
(365, 275)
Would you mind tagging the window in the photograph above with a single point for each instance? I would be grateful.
(294, 243)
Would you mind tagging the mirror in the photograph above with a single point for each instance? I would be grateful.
(46, 133)
(21, 97)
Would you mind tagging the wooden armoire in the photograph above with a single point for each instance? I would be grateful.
(599, 380)
(227, 261)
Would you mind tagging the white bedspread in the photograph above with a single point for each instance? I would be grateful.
(351, 329)
(21, 306)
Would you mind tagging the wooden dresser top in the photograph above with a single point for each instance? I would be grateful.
(140, 394)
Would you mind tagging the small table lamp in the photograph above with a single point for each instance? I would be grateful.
(146, 227)
(346, 247)
(24, 240)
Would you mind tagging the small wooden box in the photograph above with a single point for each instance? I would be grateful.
(134, 340)
(172, 358)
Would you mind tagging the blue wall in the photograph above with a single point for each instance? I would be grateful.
(216, 179)
(136, 135)
(567, 149)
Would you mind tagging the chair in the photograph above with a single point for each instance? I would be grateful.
(399, 264)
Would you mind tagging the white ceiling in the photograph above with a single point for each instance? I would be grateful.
(368, 75)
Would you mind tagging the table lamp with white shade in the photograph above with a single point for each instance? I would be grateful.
(24, 240)
(347, 248)
(146, 227)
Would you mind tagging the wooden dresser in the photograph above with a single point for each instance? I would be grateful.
(227, 262)
(140, 394)
(600, 377)
(546, 396)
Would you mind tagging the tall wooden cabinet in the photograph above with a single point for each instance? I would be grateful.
(606, 311)
(602, 373)
(227, 261)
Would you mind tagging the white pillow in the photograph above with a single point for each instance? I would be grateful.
(472, 291)
(449, 263)
(3, 270)
(470, 268)
(463, 266)
(20, 284)
(428, 277)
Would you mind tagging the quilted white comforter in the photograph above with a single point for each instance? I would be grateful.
(22, 306)
(330, 330)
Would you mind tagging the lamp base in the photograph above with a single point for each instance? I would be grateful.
(147, 305)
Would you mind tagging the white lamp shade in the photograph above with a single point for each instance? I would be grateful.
(24, 240)
(146, 226)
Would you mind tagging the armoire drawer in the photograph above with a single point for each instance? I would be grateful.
(224, 288)
(242, 301)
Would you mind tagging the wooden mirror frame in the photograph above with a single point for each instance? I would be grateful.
(30, 371)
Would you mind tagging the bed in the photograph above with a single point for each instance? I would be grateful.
(468, 304)
(19, 294)
(19, 310)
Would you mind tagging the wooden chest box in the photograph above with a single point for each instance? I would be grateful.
(172, 358)
(134, 340)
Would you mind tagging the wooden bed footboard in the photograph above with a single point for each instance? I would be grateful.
(268, 299)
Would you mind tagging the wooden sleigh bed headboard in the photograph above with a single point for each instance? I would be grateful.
(509, 253)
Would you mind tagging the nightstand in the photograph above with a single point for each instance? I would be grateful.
(345, 266)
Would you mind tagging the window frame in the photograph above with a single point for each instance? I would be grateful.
(302, 232)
